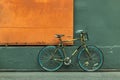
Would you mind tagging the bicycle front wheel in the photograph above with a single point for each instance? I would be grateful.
(50, 58)
(91, 62)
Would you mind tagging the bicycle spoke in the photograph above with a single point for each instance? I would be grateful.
(47, 58)
(93, 62)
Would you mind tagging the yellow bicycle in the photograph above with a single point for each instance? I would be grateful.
(90, 58)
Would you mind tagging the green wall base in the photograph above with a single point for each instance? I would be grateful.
(26, 59)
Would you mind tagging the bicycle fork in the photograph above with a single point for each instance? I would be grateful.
(88, 55)
(88, 52)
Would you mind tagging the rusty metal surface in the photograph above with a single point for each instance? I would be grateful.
(34, 22)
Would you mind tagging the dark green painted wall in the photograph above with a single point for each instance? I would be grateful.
(100, 18)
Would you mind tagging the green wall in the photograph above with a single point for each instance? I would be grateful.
(100, 18)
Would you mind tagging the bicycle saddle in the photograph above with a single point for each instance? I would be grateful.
(79, 31)
(59, 35)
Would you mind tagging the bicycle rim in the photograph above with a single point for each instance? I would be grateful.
(45, 60)
(93, 63)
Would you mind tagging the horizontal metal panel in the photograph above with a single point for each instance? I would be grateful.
(35, 22)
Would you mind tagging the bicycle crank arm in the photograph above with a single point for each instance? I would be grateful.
(59, 60)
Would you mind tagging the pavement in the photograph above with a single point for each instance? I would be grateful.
(59, 75)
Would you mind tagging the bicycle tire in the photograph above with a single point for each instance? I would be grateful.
(91, 64)
(50, 64)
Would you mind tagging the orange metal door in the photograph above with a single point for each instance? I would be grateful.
(34, 22)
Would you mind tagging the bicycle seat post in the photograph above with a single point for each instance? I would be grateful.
(60, 39)
(59, 36)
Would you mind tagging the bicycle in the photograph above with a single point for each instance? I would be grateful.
(90, 58)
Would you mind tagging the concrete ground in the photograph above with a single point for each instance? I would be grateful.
(59, 75)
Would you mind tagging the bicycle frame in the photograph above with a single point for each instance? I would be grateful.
(82, 39)
(64, 53)
(61, 47)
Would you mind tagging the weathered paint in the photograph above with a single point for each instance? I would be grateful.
(35, 22)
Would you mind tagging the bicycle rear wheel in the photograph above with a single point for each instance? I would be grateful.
(49, 58)
(92, 62)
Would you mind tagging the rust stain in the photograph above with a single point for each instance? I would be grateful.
(35, 21)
